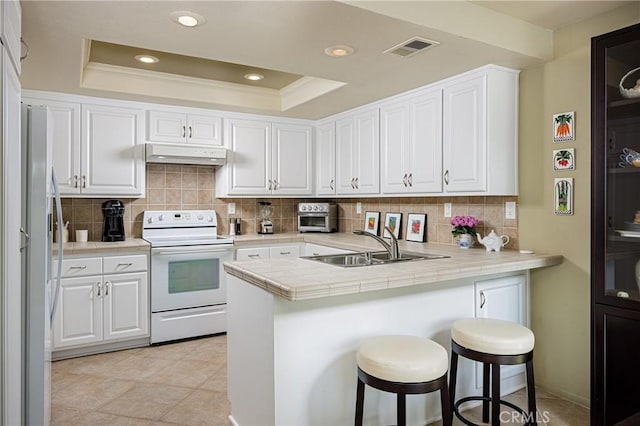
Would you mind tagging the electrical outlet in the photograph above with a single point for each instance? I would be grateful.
(231, 208)
(358, 207)
(510, 210)
(447, 209)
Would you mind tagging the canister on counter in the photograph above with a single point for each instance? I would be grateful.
(232, 226)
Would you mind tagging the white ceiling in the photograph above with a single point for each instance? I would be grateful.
(291, 36)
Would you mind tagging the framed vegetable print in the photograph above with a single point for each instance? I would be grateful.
(564, 159)
(394, 222)
(563, 127)
(563, 196)
(372, 222)
(416, 227)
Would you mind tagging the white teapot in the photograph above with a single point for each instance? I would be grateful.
(493, 241)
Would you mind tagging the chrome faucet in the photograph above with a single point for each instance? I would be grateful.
(394, 251)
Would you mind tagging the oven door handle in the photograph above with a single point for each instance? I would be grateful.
(187, 250)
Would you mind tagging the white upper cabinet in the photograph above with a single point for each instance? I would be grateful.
(325, 158)
(358, 152)
(11, 30)
(411, 144)
(480, 115)
(266, 159)
(97, 148)
(178, 127)
(111, 161)
(292, 158)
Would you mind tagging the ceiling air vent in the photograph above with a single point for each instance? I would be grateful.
(411, 47)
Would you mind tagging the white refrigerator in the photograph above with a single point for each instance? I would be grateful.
(40, 284)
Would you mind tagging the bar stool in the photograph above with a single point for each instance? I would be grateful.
(494, 343)
(402, 365)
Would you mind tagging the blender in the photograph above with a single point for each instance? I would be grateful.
(266, 226)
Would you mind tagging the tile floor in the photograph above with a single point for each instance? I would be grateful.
(186, 383)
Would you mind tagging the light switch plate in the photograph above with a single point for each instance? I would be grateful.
(358, 207)
(510, 210)
(231, 208)
(447, 209)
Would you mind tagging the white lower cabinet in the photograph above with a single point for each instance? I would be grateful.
(252, 253)
(97, 308)
(284, 251)
(505, 299)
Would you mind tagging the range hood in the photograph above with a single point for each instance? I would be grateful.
(185, 154)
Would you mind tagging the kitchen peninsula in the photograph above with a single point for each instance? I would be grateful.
(294, 325)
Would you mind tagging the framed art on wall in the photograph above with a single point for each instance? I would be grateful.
(563, 196)
(372, 222)
(416, 227)
(564, 159)
(394, 222)
(563, 127)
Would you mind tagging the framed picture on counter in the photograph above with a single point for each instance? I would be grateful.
(372, 222)
(394, 222)
(416, 227)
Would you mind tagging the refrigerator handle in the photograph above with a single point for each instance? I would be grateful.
(56, 193)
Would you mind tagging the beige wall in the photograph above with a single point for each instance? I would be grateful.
(560, 296)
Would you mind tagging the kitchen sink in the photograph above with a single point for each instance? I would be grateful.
(370, 258)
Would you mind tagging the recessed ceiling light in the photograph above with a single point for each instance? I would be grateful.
(339, 51)
(147, 59)
(187, 19)
(254, 76)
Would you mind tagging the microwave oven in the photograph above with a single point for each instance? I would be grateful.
(317, 217)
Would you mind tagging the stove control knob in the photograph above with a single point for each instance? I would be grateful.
(210, 218)
(315, 207)
(200, 217)
(161, 217)
(151, 219)
(321, 208)
(303, 208)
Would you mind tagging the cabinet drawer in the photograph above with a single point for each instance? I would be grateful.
(252, 253)
(118, 264)
(284, 251)
(78, 267)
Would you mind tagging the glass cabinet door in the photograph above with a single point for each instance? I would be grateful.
(617, 127)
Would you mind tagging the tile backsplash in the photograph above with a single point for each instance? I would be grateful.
(192, 187)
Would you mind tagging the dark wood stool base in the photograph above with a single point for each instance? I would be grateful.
(403, 389)
(491, 372)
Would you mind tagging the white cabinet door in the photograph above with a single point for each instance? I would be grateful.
(249, 159)
(252, 253)
(505, 299)
(358, 153)
(204, 129)
(394, 142)
(424, 154)
(112, 161)
(292, 159)
(326, 159)
(367, 125)
(11, 15)
(163, 126)
(284, 251)
(126, 304)
(465, 135)
(346, 152)
(78, 319)
(66, 142)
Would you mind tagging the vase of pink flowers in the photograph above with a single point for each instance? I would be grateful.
(464, 227)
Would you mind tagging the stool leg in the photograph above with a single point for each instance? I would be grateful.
(447, 416)
(402, 409)
(486, 374)
(531, 393)
(495, 395)
(359, 403)
(453, 372)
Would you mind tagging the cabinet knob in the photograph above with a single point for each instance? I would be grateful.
(410, 179)
(483, 299)
(190, 132)
(84, 182)
(75, 181)
(446, 177)
(184, 131)
(99, 286)
(404, 180)
(331, 184)
(106, 288)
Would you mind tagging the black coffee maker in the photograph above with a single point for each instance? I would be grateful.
(113, 225)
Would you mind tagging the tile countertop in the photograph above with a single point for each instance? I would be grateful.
(93, 247)
(301, 279)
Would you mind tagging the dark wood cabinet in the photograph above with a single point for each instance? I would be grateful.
(615, 227)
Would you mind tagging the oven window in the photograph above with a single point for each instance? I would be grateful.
(313, 221)
(194, 275)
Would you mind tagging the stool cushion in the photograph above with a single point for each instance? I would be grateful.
(492, 336)
(403, 359)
